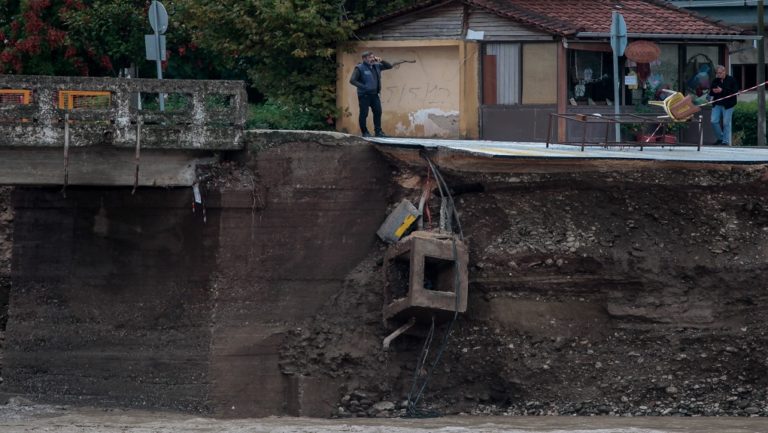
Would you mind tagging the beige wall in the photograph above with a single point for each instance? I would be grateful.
(539, 73)
(421, 99)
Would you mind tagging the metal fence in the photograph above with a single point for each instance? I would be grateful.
(637, 130)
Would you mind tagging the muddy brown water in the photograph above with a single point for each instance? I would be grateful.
(40, 418)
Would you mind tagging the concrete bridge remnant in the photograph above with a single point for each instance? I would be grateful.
(98, 130)
(273, 304)
(123, 299)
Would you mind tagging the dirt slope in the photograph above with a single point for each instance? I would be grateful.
(627, 293)
(637, 293)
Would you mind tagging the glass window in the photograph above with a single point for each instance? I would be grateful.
(746, 74)
(654, 77)
(699, 68)
(501, 84)
(590, 77)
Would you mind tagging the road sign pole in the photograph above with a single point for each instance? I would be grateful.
(618, 43)
(159, 60)
(616, 99)
(760, 74)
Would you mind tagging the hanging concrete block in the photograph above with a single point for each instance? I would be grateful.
(426, 275)
(398, 222)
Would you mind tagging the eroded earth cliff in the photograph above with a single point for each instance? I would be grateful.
(636, 292)
(621, 293)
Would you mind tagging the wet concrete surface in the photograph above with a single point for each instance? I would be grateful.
(503, 149)
(64, 419)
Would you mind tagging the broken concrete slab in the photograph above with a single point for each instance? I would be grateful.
(101, 166)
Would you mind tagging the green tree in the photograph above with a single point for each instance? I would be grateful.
(116, 28)
(186, 57)
(34, 40)
(8, 8)
(287, 47)
(94, 37)
(110, 28)
(745, 123)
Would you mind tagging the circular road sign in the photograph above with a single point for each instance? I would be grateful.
(158, 17)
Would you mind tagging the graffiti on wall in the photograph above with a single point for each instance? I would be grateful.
(428, 93)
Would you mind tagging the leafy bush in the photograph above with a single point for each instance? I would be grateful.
(287, 48)
(272, 115)
(745, 122)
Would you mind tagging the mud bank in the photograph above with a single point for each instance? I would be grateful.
(592, 293)
(632, 293)
(63, 419)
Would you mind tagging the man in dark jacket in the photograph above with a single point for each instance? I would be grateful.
(722, 87)
(367, 78)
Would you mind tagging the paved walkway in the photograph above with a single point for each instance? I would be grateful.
(522, 150)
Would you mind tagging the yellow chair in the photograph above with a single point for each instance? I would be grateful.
(678, 107)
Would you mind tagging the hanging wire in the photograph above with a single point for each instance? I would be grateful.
(412, 410)
(420, 366)
(442, 184)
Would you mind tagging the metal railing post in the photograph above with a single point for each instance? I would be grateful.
(549, 129)
(701, 132)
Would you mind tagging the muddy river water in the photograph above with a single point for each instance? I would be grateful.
(40, 418)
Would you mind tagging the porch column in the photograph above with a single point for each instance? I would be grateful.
(469, 88)
(562, 88)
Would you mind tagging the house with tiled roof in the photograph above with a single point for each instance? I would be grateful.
(496, 69)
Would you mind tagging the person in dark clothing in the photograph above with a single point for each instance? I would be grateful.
(722, 86)
(367, 78)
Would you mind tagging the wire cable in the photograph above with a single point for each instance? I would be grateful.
(442, 184)
(412, 410)
(413, 401)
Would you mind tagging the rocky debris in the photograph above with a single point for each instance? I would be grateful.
(19, 401)
(619, 294)
(360, 403)
(624, 294)
(225, 175)
(17, 408)
(651, 380)
(341, 345)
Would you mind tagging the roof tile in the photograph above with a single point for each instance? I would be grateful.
(566, 17)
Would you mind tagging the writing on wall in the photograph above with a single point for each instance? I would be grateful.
(426, 93)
